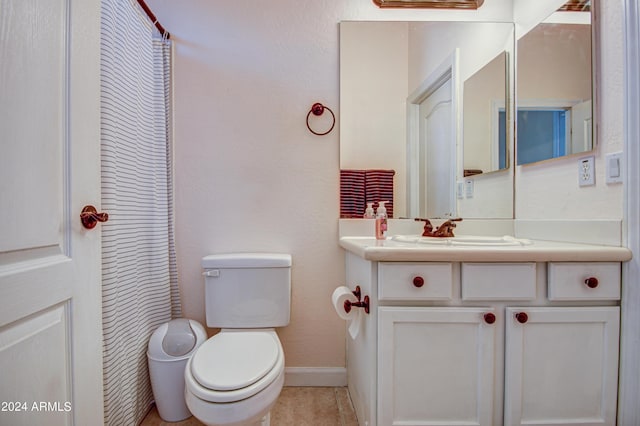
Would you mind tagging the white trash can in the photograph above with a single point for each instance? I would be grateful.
(170, 347)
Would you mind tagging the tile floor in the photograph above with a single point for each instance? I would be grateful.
(296, 406)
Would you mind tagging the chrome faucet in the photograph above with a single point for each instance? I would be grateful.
(444, 230)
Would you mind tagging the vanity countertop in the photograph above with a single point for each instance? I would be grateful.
(538, 251)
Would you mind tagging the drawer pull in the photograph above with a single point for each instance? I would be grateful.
(591, 282)
(418, 281)
(522, 317)
(489, 318)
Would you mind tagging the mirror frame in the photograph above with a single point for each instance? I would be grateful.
(430, 4)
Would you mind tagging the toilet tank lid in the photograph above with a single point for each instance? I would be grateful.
(246, 260)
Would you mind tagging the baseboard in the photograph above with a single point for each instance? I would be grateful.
(315, 376)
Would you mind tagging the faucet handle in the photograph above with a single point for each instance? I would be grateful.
(428, 227)
(446, 228)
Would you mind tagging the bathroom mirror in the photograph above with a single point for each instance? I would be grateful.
(555, 101)
(485, 117)
(382, 64)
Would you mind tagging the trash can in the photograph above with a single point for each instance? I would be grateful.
(170, 347)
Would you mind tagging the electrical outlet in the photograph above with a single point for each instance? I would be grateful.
(587, 171)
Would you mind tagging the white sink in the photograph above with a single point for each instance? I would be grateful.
(463, 240)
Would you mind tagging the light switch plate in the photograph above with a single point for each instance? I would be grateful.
(614, 167)
(460, 190)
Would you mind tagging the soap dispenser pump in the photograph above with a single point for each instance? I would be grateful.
(368, 213)
(381, 221)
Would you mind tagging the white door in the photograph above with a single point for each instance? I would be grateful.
(436, 366)
(437, 154)
(561, 366)
(50, 328)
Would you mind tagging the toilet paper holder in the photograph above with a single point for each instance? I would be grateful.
(361, 303)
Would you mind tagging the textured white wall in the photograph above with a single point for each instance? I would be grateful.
(250, 176)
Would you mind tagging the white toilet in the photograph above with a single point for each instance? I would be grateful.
(235, 377)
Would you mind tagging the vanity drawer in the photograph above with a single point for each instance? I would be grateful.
(415, 281)
(584, 281)
(498, 281)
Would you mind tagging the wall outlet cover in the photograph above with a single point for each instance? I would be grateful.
(587, 171)
(468, 188)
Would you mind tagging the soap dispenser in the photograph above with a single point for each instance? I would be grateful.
(381, 221)
(368, 213)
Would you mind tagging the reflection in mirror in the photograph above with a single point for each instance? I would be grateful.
(554, 90)
(484, 117)
(382, 64)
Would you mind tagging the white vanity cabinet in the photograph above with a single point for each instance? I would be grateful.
(464, 343)
(435, 366)
(561, 365)
(561, 362)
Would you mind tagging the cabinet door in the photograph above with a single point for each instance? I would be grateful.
(561, 366)
(435, 366)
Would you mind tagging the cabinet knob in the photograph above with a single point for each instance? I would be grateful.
(591, 282)
(522, 317)
(489, 318)
(418, 281)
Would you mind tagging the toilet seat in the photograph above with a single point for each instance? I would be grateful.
(234, 360)
(234, 365)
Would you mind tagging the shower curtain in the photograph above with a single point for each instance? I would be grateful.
(139, 277)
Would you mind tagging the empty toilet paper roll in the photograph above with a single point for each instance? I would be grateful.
(339, 296)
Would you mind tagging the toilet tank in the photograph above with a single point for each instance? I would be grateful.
(247, 290)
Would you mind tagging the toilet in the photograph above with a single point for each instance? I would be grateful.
(235, 377)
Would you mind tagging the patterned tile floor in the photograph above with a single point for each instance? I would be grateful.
(296, 406)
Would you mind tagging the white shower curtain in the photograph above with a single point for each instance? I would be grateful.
(138, 257)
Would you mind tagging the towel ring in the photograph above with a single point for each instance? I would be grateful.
(318, 109)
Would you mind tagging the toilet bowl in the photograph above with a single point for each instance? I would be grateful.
(235, 377)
